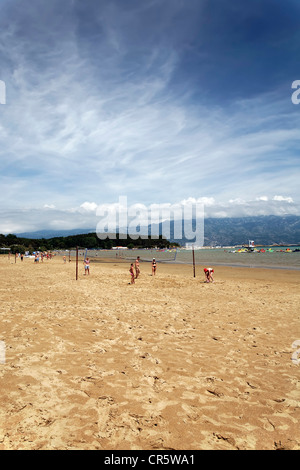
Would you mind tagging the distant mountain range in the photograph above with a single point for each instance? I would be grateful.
(47, 234)
(264, 230)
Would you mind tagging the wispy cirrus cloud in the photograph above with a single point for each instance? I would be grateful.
(154, 101)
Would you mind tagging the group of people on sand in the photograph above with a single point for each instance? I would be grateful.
(40, 256)
(135, 269)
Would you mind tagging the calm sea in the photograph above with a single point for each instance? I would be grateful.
(213, 257)
(275, 259)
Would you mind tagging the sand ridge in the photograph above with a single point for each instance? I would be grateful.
(167, 363)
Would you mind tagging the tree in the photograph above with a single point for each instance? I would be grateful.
(11, 239)
(90, 242)
(18, 249)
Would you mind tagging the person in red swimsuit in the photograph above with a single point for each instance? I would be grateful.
(209, 274)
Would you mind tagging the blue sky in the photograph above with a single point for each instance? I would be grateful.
(161, 101)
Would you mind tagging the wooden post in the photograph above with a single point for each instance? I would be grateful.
(76, 263)
(194, 262)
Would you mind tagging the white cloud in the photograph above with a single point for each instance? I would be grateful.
(262, 198)
(89, 206)
(238, 201)
(207, 201)
(86, 124)
(283, 198)
(89, 214)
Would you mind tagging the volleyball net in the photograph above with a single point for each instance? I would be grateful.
(146, 255)
(160, 256)
(80, 254)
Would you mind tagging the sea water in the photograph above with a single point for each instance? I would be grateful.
(267, 259)
(279, 258)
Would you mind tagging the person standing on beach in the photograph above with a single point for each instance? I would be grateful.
(132, 274)
(86, 266)
(153, 267)
(137, 267)
(209, 274)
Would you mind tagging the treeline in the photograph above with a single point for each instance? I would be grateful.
(91, 241)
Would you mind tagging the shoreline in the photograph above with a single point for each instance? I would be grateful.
(162, 262)
(109, 260)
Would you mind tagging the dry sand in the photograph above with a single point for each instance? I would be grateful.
(168, 363)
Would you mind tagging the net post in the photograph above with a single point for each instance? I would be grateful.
(194, 262)
(76, 263)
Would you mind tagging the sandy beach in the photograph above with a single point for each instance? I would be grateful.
(168, 363)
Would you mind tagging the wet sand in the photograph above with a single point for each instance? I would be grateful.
(167, 363)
